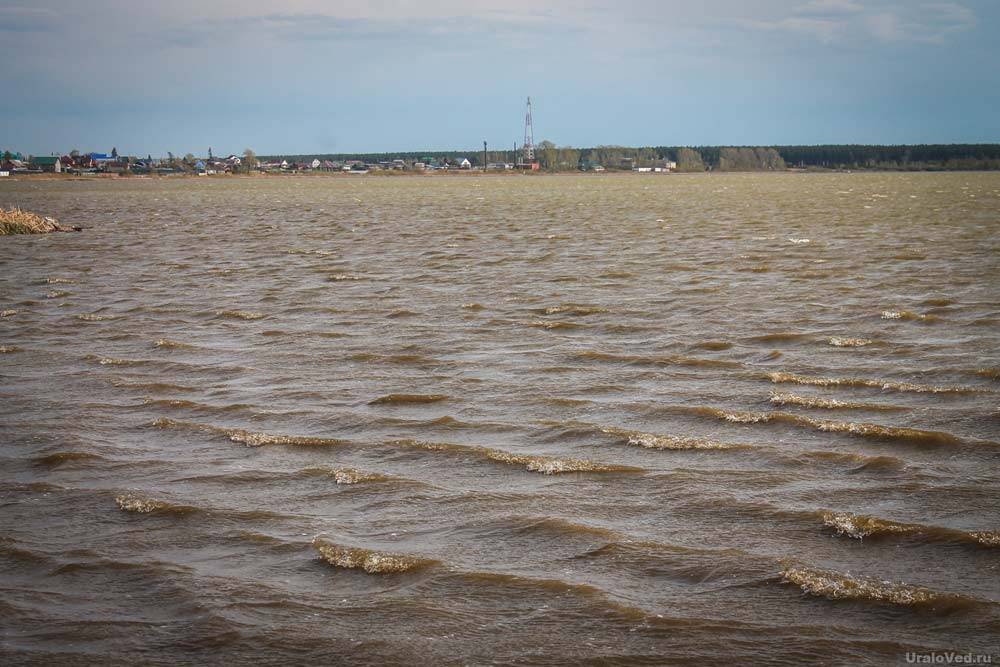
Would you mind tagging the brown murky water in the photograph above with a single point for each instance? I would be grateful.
(556, 420)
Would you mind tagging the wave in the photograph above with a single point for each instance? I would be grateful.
(861, 526)
(154, 387)
(781, 377)
(240, 314)
(780, 398)
(193, 405)
(372, 562)
(345, 475)
(661, 360)
(250, 438)
(837, 586)
(854, 428)
(908, 316)
(9, 349)
(341, 277)
(113, 361)
(779, 337)
(172, 344)
(989, 373)
(866, 463)
(59, 458)
(404, 399)
(838, 341)
(542, 324)
(713, 345)
(654, 441)
(59, 281)
(94, 317)
(559, 526)
(56, 294)
(574, 310)
(546, 465)
(139, 504)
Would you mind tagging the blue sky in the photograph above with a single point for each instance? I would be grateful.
(305, 76)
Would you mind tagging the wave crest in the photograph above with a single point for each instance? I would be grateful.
(836, 586)
(781, 377)
(372, 562)
(860, 526)
(346, 475)
(249, 438)
(139, 504)
(838, 341)
(784, 398)
(854, 428)
(654, 441)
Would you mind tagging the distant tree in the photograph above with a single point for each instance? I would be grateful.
(210, 156)
(74, 153)
(689, 159)
(114, 153)
(546, 154)
(249, 162)
(7, 155)
(189, 159)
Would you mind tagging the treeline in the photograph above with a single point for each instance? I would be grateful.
(716, 158)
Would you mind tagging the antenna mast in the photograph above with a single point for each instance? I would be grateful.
(529, 137)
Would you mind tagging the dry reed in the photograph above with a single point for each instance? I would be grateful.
(16, 221)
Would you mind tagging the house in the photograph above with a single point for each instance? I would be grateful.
(463, 163)
(50, 164)
(315, 164)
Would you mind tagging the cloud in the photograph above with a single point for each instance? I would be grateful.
(830, 7)
(829, 21)
(823, 29)
(26, 19)
(319, 27)
(929, 23)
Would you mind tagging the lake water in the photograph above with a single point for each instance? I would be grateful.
(582, 419)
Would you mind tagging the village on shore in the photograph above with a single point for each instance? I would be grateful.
(77, 163)
(546, 157)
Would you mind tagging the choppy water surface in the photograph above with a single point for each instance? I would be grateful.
(596, 420)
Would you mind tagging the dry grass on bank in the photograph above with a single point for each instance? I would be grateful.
(16, 221)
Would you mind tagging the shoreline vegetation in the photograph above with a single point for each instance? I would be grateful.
(833, 157)
(548, 158)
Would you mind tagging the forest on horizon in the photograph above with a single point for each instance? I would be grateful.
(916, 157)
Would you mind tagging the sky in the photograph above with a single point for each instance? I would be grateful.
(326, 76)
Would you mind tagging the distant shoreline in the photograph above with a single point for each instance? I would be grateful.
(467, 173)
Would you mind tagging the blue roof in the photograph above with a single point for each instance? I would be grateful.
(99, 156)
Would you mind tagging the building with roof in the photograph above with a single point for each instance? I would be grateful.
(50, 164)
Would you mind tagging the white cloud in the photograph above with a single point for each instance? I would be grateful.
(831, 7)
(829, 21)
